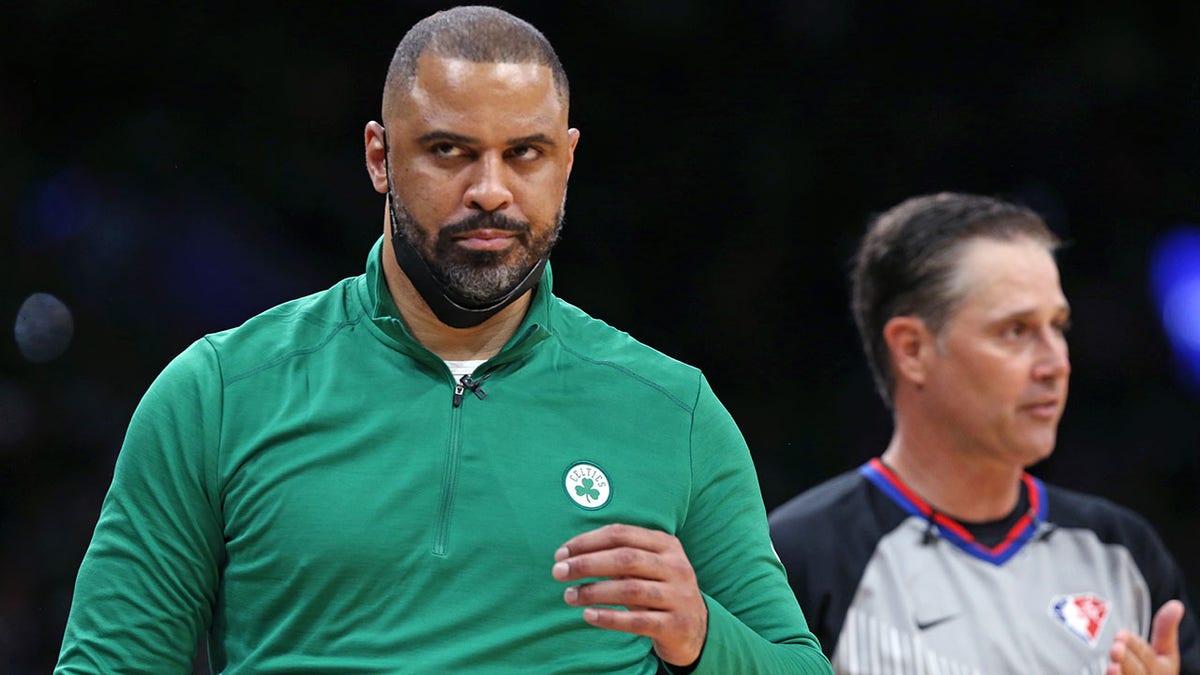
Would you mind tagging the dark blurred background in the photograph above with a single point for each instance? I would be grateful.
(170, 169)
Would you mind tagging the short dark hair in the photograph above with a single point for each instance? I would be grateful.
(472, 33)
(906, 264)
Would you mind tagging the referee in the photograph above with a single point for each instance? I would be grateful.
(944, 555)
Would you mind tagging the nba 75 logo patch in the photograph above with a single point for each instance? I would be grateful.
(587, 485)
(1083, 614)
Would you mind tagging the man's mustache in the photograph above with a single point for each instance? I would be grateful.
(480, 221)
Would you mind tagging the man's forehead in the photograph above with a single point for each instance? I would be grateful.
(444, 76)
(1002, 277)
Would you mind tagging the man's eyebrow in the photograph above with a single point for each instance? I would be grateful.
(1024, 312)
(447, 136)
(532, 139)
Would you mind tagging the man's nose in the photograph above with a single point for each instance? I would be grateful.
(489, 190)
(1053, 360)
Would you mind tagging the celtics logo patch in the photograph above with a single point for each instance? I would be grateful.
(587, 485)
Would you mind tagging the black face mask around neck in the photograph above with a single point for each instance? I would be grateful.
(436, 295)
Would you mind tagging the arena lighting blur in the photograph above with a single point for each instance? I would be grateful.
(43, 328)
(1175, 282)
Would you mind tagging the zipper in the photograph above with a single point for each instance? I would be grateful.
(449, 476)
(453, 454)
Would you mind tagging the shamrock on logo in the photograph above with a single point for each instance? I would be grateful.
(586, 486)
(585, 489)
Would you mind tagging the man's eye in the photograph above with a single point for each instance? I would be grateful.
(1015, 330)
(524, 152)
(445, 150)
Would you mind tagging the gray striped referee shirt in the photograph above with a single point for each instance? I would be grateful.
(892, 587)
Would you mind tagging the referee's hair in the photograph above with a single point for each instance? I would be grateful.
(905, 264)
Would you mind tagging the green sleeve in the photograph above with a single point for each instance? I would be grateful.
(754, 622)
(147, 585)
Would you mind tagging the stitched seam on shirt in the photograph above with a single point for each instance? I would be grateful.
(216, 484)
(294, 353)
(623, 369)
(692, 450)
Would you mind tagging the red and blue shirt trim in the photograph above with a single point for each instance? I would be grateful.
(953, 531)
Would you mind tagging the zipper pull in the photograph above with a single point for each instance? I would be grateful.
(458, 395)
(476, 386)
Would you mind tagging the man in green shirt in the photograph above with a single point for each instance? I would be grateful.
(439, 466)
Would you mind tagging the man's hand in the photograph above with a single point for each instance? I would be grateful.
(649, 573)
(1131, 655)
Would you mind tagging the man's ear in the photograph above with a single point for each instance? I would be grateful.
(911, 345)
(572, 141)
(376, 152)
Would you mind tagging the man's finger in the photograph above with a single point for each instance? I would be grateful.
(1140, 658)
(616, 535)
(1116, 654)
(617, 562)
(633, 594)
(1125, 657)
(1164, 635)
(650, 623)
(661, 627)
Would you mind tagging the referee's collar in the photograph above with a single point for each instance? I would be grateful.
(953, 531)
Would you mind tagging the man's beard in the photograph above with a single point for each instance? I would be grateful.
(474, 278)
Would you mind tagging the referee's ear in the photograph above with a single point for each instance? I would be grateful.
(912, 347)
